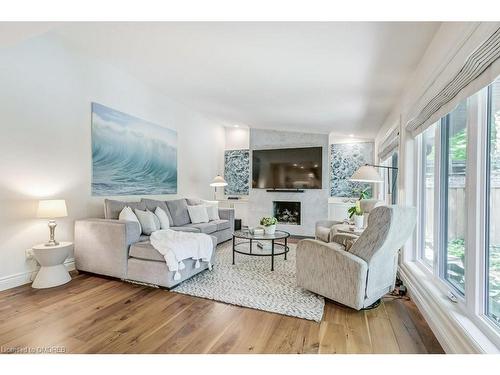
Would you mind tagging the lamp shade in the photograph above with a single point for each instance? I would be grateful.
(366, 173)
(52, 208)
(218, 181)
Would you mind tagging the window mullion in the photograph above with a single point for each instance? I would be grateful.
(476, 212)
(438, 209)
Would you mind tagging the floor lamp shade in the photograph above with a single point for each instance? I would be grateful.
(366, 173)
(218, 181)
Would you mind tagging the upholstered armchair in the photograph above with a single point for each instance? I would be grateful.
(324, 229)
(360, 276)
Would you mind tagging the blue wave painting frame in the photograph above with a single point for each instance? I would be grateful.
(131, 156)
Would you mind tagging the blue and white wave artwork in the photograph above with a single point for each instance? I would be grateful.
(131, 156)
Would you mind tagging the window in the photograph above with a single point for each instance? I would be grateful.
(453, 195)
(427, 195)
(493, 215)
(394, 177)
(391, 161)
(458, 202)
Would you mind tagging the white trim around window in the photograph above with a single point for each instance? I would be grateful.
(461, 326)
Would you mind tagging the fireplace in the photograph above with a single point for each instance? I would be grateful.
(287, 212)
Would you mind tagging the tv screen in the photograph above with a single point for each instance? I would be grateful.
(287, 168)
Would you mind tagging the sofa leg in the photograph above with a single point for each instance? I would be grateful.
(374, 305)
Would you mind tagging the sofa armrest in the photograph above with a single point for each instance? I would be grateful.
(327, 269)
(102, 245)
(227, 214)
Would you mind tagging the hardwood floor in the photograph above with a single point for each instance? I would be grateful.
(98, 315)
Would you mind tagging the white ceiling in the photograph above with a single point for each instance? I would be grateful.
(320, 77)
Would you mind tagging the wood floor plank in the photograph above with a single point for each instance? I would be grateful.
(99, 315)
(406, 334)
(382, 336)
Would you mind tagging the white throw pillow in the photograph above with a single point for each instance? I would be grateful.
(212, 209)
(163, 217)
(148, 222)
(128, 215)
(198, 214)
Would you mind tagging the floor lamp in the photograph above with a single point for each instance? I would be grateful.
(368, 173)
(216, 182)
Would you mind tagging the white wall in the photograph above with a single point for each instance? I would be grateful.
(237, 138)
(45, 93)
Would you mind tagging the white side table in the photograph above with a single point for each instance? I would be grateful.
(52, 271)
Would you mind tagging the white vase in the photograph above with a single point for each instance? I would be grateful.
(358, 221)
(270, 229)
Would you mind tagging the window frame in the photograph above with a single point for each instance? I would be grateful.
(473, 303)
(485, 265)
(421, 179)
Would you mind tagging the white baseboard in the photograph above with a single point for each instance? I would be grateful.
(18, 279)
(456, 333)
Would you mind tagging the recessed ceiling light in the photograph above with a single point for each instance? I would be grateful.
(236, 126)
(351, 135)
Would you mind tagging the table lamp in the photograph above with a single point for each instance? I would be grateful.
(217, 181)
(51, 209)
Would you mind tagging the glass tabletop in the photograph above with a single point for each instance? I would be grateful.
(279, 234)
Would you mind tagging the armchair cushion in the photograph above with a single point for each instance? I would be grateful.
(323, 234)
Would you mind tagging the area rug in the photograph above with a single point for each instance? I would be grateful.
(251, 283)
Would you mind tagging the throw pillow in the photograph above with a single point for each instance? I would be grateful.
(198, 214)
(127, 214)
(157, 221)
(147, 220)
(212, 210)
(163, 217)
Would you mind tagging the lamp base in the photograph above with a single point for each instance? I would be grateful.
(52, 230)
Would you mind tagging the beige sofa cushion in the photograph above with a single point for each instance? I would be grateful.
(144, 250)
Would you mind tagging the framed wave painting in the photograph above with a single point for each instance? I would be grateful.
(131, 156)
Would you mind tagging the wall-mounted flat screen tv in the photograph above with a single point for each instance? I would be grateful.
(287, 168)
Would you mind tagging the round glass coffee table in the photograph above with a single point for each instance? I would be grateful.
(275, 248)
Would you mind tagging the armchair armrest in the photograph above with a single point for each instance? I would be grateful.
(102, 245)
(327, 269)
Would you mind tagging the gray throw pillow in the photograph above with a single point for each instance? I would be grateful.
(179, 211)
(148, 222)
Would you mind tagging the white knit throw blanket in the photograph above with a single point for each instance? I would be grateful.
(176, 246)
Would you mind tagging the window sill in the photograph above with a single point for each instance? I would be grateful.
(456, 332)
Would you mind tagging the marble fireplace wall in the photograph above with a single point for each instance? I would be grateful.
(314, 202)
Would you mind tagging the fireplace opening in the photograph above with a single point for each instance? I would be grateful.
(287, 212)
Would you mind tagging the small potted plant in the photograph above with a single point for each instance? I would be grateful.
(269, 224)
(356, 213)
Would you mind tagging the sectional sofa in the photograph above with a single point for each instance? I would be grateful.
(116, 248)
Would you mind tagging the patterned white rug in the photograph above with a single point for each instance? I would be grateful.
(251, 283)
